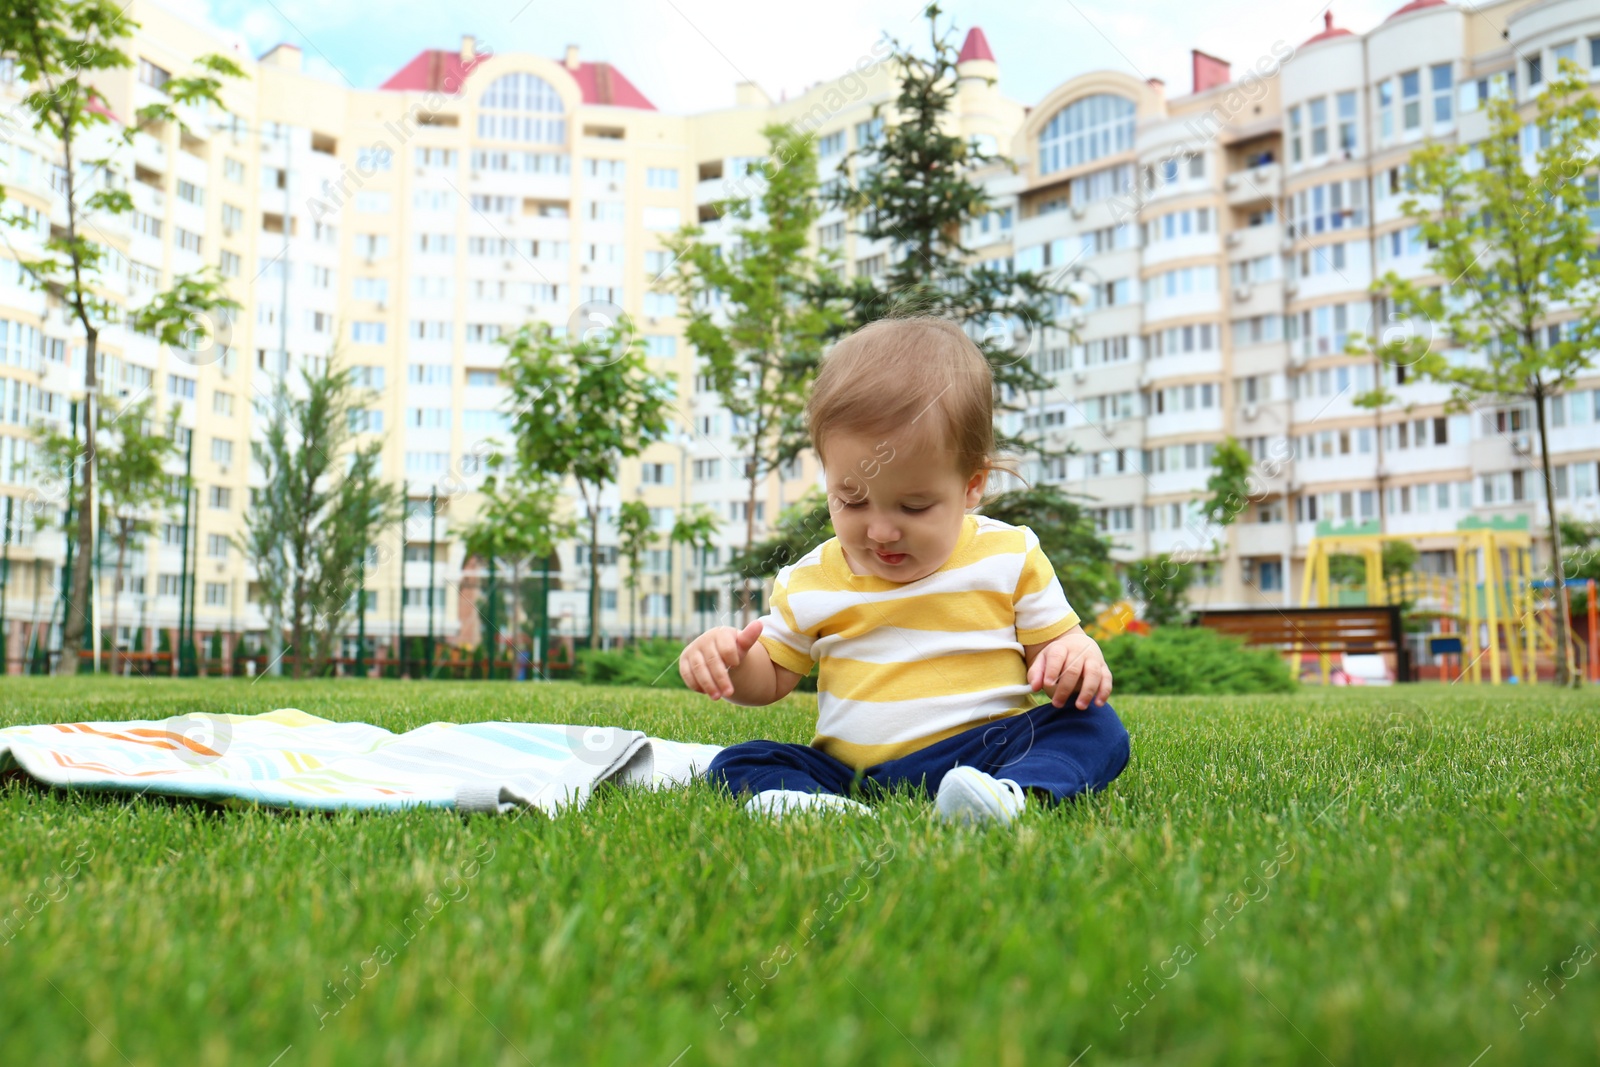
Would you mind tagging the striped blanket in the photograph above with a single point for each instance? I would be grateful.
(288, 759)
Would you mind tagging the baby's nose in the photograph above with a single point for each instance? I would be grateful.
(883, 533)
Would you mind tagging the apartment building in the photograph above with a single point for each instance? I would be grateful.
(1229, 239)
(1226, 240)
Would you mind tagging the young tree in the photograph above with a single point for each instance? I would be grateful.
(59, 46)
(579, 408)
(915, 188)
(519, 520)
(751, 317)
(1512, 255)
(131, 454)
(1162, 583)
(312, 523)
(696, 531)
(635, 534)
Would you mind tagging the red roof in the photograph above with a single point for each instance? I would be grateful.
(441, 70)
(604, 84)
(1417, 5)
(976, 46)
(1329, 32)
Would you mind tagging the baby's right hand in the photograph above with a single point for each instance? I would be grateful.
(705, 663)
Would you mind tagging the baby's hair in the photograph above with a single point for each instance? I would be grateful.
(915, 376)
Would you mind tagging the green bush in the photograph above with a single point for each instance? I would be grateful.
(1193, 660)
(647, 663)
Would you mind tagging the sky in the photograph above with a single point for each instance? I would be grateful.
(686, 55)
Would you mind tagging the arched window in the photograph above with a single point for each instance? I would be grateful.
(1098, 125)
(521, 107)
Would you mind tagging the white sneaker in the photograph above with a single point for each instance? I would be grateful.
(967, 795)
(780, 802)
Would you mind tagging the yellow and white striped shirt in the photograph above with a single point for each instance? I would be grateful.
(906, 664)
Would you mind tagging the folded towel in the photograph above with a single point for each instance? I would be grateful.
(289, 759)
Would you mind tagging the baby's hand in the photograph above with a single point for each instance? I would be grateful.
(1064, 663)
(705, 663)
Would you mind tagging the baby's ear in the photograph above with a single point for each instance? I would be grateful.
(975, 487)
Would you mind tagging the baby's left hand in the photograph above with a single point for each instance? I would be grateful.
(1064, 663)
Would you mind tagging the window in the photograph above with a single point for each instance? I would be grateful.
(190, 192)
(370, 289)
(219, 497)
(428, 418)
(661, 178)
(1346, 104)
(661, 346)
(217, 546)
(868, 133)
(418, 596)
(366, 420)
(364, 376)
(521, 107)
(371, 333)
(230, 264)
(1535, 71)
(483, 379)
(1294, 134)
(1442, 82)
(429, 374)
(179, 386)
(371, 245)
(152, 75)
(233, 170)
(221, 451)
(1085, 130)
(371, 160)
(432, 330)
(660, 305)
(222, 404)
(656, 473)
(1317, 112)
(187, 240)
(1385, 110)
(1411, 100)
(436, 158)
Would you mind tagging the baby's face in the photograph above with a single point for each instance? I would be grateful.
(896, 507)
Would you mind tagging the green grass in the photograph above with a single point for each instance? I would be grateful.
(1342, 878)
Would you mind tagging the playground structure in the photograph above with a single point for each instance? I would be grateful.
(1491, 616)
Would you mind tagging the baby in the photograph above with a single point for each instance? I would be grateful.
(931, 625)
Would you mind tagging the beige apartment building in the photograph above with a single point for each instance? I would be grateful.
(1227, 238)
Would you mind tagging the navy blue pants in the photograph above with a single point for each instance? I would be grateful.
(1058, 751)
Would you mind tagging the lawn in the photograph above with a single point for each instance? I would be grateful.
(1352, 877)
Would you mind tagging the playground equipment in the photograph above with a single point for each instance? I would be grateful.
(1490, 612)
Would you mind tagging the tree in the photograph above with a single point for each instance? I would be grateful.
(1229, 484)
(131, 454)
(517, 521)
(752, 319)
(635, 534)
(1512, 248)
(1162, 582)
(579, 408)
(914, 187)
(695, 529)
(310, 527)
(1067, 534)
(58, 47)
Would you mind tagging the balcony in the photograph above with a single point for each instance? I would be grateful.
(1263, 183)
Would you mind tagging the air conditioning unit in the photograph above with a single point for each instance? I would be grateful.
(1235, 239)
(510, 265)
(421, 170)
(1231, 182)
(383, 306)
(1251, 412)
(1521, 444)
(511, 220)
(1290, 288)
(1078, 210)
(1079, 376)
(1241, 292)
(475, 175)
(1288, 243)
(614, 187)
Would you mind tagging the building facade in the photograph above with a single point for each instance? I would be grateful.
(1227, 240)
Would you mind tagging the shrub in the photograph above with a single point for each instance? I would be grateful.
(1194, 660)
(647, 663)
